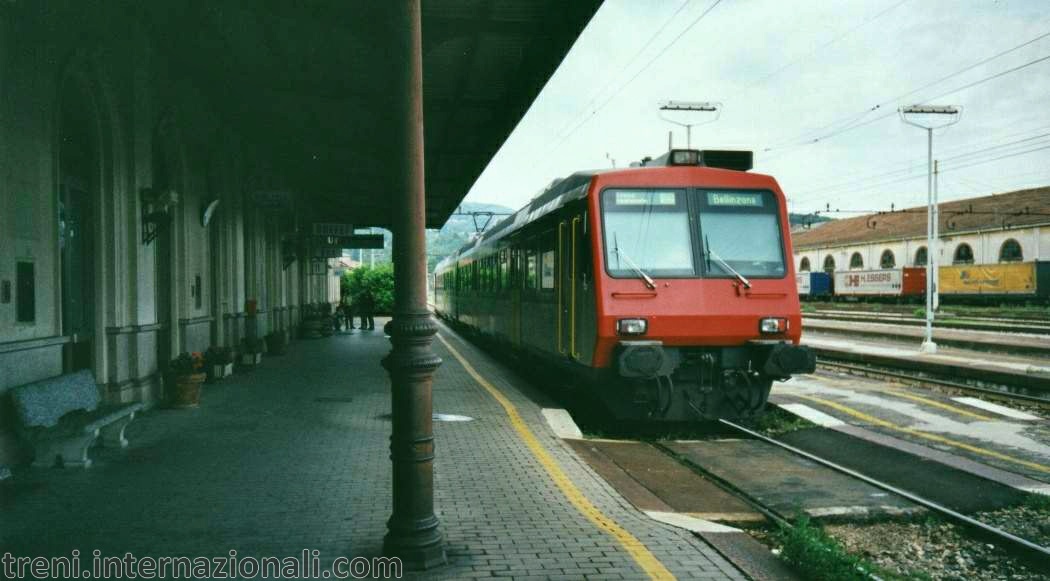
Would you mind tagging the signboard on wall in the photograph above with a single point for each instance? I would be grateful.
(272, 199)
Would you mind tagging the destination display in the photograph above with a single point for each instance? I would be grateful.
(745, 199)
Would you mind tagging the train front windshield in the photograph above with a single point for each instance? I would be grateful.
(650, 232)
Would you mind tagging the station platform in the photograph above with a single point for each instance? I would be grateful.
(1025, 368)
(994, 441)
(1000, 341)
(294, 455)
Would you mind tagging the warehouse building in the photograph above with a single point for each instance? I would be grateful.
(1011, 227)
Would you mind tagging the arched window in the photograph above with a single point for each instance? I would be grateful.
(829, 263)
(803, 265)
(856, 261)
(887, 260)
(1010, 251)
(921, 256)
(963, 254)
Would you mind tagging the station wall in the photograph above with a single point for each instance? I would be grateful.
(89, 120)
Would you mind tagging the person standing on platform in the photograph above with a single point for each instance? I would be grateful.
(365, 305)
(348, 313)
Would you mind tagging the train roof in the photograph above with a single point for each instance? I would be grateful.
(574, 187)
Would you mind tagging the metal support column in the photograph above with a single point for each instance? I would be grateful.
(412, 531)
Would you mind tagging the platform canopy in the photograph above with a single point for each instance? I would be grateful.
(308, 83)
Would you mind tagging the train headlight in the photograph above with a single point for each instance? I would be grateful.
(773, 326)
(631, 326)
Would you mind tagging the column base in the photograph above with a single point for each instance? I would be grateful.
(418, 552)
(928, 347)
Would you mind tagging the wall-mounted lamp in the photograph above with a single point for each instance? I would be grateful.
(156, 206)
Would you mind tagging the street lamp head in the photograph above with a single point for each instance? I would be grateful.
(706, 106)
(929, 110)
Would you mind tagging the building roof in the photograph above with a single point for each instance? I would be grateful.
(308, 85)
(996, 212)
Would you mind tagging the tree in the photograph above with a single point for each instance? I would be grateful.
(378, 280)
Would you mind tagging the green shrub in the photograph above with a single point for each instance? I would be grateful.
(817, 556)
(378, 279)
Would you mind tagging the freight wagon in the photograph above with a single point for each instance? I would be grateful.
(902, 283)
(813, 285)
(987, 282)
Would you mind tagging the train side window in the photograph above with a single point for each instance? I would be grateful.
(1011, 251)
(547, 269)
(530, 269)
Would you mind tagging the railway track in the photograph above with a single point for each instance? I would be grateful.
(1003, 392)
(1032, 553)
(945, 321)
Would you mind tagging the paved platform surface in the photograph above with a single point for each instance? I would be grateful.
(942, 428)
(294, 456)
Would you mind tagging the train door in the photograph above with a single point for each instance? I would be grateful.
(570, 236)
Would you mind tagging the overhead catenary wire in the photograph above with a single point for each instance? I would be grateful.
(638, 53)
(806, 194)
(587, 118)
(854, 121)
(945, 169)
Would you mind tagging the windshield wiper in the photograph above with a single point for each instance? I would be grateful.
(620, 253)
(725, 265)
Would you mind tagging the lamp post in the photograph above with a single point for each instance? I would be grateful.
(698, 106)
(927, 119)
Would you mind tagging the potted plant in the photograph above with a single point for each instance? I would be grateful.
(276, 343)
(251, 354)
(219, 361)
(186, 369)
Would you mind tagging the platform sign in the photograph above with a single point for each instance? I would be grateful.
(868, 282)
(354, 241)
(331, 229)
(802, 281)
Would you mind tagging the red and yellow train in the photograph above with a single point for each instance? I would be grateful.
(665, 288)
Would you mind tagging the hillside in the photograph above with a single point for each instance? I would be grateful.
(459, 229)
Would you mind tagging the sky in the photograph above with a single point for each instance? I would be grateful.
(812, 87)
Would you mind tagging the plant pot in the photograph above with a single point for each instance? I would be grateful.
(276, 343)
(187, 392)
(220, 371)
(251, 359)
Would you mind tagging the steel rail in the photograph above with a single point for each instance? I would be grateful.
(824, 362)
(1036, 554)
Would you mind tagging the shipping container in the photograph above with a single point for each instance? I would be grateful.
(890, 282)
(813, 284)
(1010, 280)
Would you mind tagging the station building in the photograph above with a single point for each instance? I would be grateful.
(1011, 227)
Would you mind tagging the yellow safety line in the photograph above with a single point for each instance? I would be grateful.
(638, 551)
(938, 404)
(925, 435)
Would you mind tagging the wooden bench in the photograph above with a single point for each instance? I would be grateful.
(63, 417)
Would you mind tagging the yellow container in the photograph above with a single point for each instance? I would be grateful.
(988, 279)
